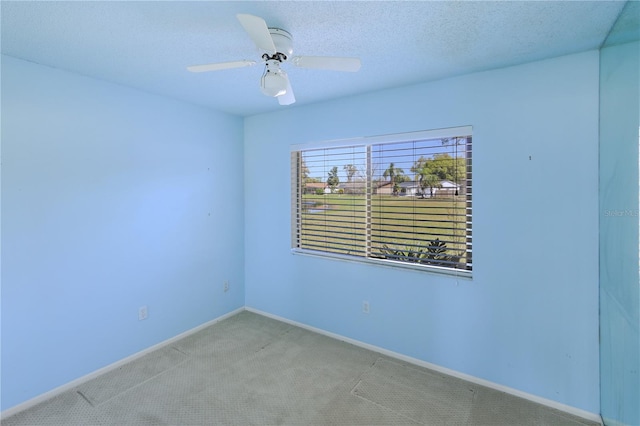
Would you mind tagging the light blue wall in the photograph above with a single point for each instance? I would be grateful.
(619, 278)
(107, 193)
(529, 317)
(111, 199)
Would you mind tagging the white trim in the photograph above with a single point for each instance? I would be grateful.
(386, 263)
(549, 403)
(448, 132)
(613, 422)
(77, 382)
(368, 141)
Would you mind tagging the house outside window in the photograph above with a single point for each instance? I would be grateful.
(402, 200)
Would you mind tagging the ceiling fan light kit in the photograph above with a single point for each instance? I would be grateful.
(277, 45)
(274, 80)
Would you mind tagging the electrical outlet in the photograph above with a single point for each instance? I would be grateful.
(143, 313)
(365, 307)
(226, 286)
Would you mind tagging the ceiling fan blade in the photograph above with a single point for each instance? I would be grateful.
(288, 98)
(221, 66)
(257, 29)
(333, 63)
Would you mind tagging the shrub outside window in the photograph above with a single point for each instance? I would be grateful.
(404, 199)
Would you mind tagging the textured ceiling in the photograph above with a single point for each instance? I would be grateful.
(148, 45)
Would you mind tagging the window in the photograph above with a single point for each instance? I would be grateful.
(401, 199)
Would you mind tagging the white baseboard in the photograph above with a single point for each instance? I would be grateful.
(612, 422)
(547, 402)
(77, 382)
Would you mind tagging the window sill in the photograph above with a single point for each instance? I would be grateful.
(457, 273)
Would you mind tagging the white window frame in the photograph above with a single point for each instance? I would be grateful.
(367, 142)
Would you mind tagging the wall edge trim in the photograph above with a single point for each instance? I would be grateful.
(496, 386)
(83, 379)
(587, 415)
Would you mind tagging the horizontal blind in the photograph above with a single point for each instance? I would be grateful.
(408, 201)
(421, 202)
(329, 187)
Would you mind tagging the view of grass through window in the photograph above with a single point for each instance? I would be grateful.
(405, 202)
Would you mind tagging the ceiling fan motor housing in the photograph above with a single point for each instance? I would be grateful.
(283, 41)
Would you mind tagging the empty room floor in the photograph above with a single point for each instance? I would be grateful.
(252, 370)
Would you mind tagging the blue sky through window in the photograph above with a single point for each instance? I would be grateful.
(402, 154)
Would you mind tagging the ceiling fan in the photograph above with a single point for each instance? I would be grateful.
(277, 45)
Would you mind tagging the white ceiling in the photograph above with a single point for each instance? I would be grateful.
(148, 45)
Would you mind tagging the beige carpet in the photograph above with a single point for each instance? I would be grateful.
(251, 370)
